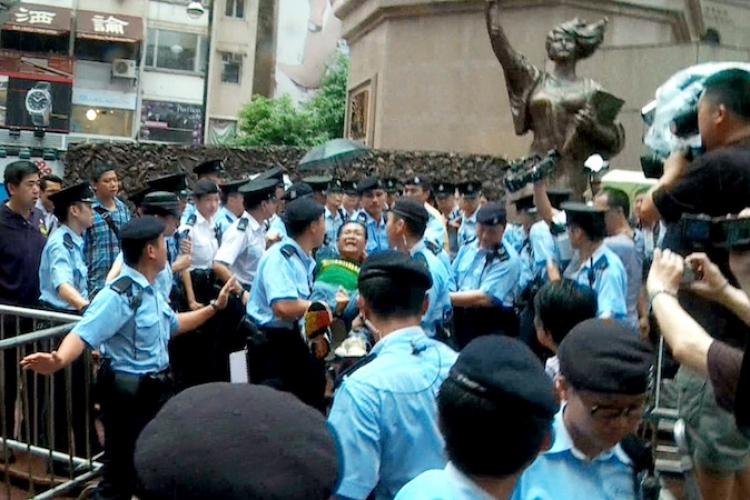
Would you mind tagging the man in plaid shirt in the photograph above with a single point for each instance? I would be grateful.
(102, 242)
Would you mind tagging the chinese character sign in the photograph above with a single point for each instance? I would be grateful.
(28, 16)
(110, 25)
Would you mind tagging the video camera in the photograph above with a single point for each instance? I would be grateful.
(704, 232)
(528, 170)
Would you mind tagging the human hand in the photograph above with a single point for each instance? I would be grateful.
(186, 246)
(223, 298)
(644, 327)
(666, 272)
(553, 271)
(194, 305)
(585, 120)
(182, 262)
(45, 363)
(342, 300)
(675, 166)
(710, 280)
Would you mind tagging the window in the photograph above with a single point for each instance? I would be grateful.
(175, 50)
(101, 121)
(165, 121)
(235, 8)
(232, 66)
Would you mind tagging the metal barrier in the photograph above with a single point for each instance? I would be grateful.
(48, 441)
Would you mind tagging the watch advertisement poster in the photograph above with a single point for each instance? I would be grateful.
(29, 103)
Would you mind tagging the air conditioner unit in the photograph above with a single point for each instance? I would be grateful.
(124, 68)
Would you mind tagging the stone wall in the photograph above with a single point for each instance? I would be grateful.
(140, 162)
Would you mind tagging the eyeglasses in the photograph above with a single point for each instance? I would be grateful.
(632, 412)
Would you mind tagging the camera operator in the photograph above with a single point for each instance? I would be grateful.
(715, 184)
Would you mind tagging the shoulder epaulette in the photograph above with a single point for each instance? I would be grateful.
(68, 241)
(361, 217)
(125, 285)
(557, 229)
(432, 246)
(242, 225)
(502, 253)
(191, 220)
(601, 264)
(287, 251)
(356, 366)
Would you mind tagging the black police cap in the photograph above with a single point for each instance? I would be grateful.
(605, 357)
(398, 268)
(276, 173)
(174, 183)
(470, 189)
(209, 167)
(411, 210)
(297, 190)
(72, 194)
(525, 203)
(303, 210)
(504, 370)
(420, 180)
(558, 196)
(145, 228)
(162, 202)
(444, 189)
(492, 214)
(318, 183)
(369, 184)
(246, 441)
(581, 214)
(232, 186)
(336, 186)
(391, 185)
(205, 187)
(258, 190)
(137, 197)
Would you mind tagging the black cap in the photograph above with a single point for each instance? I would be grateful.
(137, 197)
(209, 167)
(412, 210)
(391, 185)
(444, 189)
(161, 203)
(145, 228)
(607, 357)
(318, 183)
(257, 191)
(246, 441)
(525, 203)
(589, 218)
(369, 184)
(72, 194)
(174, 183)
(491, 214)
(303, 210)
(397, 267)
(204, 187)
(558, 196)
(336, 186)
(297, 190)
(233, 186)
(418, 180)
(276, 173)
(470, 189)
(504, 370)
(349, 187)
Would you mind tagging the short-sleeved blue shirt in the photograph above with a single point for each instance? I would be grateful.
(63, 262)
(605, 274)
(467, 231)
(443, 484)
(385, 415)
(498, 277)
(377, 238)
(439, 309)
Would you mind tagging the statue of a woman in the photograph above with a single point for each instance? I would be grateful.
(564, 112)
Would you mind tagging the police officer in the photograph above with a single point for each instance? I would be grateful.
(350, 200)
(205, 234)
(419, 188)
(232, 203)
(538, 246)
(211, 170)
(245, 241)
(549, 203)
(406, 226)
(484, 406)
(393, 189)
(335, 216)
(63, 277)
(319, 185)
(486, 273)
(130, 321)
(372, 214)
(595, 265)
(279, 299)
(470, 193)
(384, 412)
(277, 229)
(445, 197)
(277, 174)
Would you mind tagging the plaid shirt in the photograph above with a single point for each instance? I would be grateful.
(102, 246)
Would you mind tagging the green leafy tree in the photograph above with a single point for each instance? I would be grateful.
(278, 122)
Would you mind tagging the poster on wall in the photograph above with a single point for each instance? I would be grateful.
(30, 103)
(177, 122)
(360, 109)
(307, 40)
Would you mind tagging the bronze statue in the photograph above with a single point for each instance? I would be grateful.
(564, 112)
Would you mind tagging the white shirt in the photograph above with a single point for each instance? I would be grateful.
(50, 219)
(202, 232)
(241, 248)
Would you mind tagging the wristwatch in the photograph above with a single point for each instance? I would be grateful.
(39, 104)
(213, 305)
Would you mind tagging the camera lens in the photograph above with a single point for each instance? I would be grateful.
(685, 123)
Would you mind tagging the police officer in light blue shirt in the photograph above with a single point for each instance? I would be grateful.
(595, 265)
(486, 273)
(372, 214)
(62, 271)
(496, 409)
(406, 225)
(232, 204)
(212, 170)
(470, 193)
(384, 411)
(130, 322)
(279, 299)
(419, 188)
(277, 229)
(335, 216)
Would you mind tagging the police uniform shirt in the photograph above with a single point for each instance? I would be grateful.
(242, 247)
(543, 249)
(62, 263)
(436, 231)
(564, 473)
(439, 308)
(515, 235)
(203, 234)
(468, 230)
(49, 218)
(189, 210)
(131, 329)
(285, 272)
(607, 278)
(377, 238)
(497, 278)
(443, 484)
(333, 224)
(224, 218)
(385, 417)
(164, 280)
(276, 227)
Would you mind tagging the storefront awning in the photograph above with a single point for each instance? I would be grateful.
(108, 27)
(40, 19)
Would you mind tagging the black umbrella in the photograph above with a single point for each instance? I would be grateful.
(332, 154)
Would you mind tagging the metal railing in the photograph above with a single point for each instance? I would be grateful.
(48, 442)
